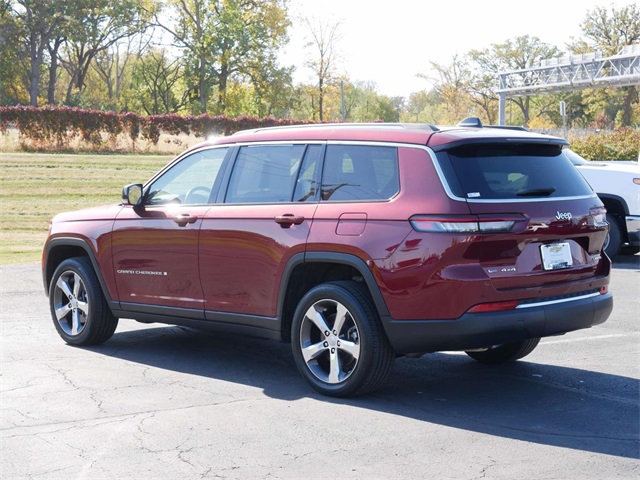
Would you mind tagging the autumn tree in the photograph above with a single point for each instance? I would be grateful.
(12, 70)
(249, 36)
(155, 77)
(324, 56)
(273, 91)
(450, 84)
(608, 31)
(103, 23)
(225, 38)
(36, 22)
(516, 54)
(114, 66)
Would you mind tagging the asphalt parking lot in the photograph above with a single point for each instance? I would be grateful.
(160, 402)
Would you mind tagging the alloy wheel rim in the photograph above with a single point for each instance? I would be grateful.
(71, 303)
(330, 341)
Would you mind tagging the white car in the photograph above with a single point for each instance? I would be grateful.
(618, 186)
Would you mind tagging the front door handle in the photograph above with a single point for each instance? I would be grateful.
(184, 218)
(286, 220)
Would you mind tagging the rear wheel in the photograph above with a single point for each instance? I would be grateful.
(613, 243)
(78, 308)
(508, 352)
(338, 342)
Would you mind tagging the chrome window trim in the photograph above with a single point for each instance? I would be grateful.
(434, 161)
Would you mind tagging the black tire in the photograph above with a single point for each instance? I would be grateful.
(508, 352)
(353, 355)
(613, 243)
(78, 308)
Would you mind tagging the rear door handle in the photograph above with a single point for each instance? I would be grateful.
(184, 218)
(286, 220)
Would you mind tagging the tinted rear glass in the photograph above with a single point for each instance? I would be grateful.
(506, 171)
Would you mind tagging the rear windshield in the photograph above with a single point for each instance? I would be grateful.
(511, 171)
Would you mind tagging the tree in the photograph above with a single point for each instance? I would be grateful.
(517, 54)
(225, 38)
(155, 79)
(37, 22)
(248, 37)
(191, 24)
(112, 66)
(12, 71)
(273, 91)
(389, 108)
(323, 61)
(423, 107)
(96, 26)
(417, 103)
(608, 31)
(450, 85)
(481, 85)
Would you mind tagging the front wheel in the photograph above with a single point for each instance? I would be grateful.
(338, 342)
(508, 352)
(78, 308)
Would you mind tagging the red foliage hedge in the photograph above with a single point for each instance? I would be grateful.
(56, 126)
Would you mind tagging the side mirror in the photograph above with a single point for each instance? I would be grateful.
(132, 194)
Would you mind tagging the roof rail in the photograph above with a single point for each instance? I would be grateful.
(509, 127)
(407, 126)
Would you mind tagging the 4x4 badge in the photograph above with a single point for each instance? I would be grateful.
(564, 216)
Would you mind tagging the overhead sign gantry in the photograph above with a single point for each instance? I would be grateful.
(570, 73)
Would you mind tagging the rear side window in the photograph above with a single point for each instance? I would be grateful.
(503, 171)
(265, 174)
(360, 172)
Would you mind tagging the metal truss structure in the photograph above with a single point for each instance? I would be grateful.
(578, 72)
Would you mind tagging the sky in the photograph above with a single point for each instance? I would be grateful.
(390, 42)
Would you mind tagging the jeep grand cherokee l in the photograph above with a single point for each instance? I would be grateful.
(356, 243)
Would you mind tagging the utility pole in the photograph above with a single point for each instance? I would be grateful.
(342, 107)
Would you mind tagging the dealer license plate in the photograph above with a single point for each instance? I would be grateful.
(556, 256)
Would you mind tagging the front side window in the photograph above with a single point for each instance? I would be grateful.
(360, 172)
(188, 182)
(265, 174)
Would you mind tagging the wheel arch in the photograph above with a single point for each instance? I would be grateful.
(306, 270)
(617, 207)
(59, 249)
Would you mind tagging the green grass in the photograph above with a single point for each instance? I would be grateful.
(34, 187)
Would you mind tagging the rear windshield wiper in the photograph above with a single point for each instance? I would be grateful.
(536, 192)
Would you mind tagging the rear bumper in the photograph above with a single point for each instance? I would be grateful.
(478, 330)
(633, 229)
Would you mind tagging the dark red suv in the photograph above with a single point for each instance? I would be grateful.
(356, 243)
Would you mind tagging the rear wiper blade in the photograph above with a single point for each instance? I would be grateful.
(536, 192)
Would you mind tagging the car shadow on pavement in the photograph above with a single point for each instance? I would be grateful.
(545, 404)
(627, 260)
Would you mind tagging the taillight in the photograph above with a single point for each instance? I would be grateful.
(465, 223)
(598, 216)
